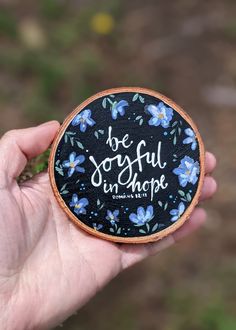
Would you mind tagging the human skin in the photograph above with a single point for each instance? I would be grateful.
(48, 267)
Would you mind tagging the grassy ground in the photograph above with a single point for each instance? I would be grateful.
(54, 54)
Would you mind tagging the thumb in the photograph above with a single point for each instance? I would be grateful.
(20, 145)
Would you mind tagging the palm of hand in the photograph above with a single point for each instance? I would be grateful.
(48, 255)
(46, 262)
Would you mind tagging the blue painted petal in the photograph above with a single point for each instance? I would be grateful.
(141, 222)
(169, 113)
(71, 204)
(71, 171)
(74, 198)
(188, 160)
(194, 145)
(174, 212)
(183, 181)
(133, 218)
(80, 210)
(153, 110)
(72, 157)
(149, 211)
(90, 121)
(121, 110)
(188, 165)
(83, 210)
(114, 113)
(83, 201)
(86, 113)
(116, 213)
(189, 132)
(83, 127)
(174, 218)
(122, 103)
(161, 105)
(76, 120)
(154, 121)
(80, 169)
(80, 159)
(181, 208)
(164, 123)
(188, 140)
(99, 226)
(140, 212)
(109, 214)
(178, 171)
(66, 163)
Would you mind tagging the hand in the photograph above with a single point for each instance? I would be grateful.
(48, 267)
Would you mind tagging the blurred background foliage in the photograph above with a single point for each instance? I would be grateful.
(56, 53)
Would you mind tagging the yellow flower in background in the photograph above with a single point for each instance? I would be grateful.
(102, 23)
(31, 34)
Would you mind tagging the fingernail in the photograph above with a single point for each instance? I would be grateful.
(48, 123)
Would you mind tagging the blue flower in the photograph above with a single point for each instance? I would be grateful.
(97, 226)
(176, 213)
(191, 138)
(118, 107)
(161, 114)
(83, 119)
(79, 204)
(73, 164)
(187, 171)
(142, 216)
(112, 216)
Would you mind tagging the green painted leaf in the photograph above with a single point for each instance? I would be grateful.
(59, 170)
(118, 231)
(174, 141)
(141, 122)
(79, 144)
(101, 207)
(174, 123)
(172, 132)
(154, 228)
(66, 138)
(111, 230)
(138, 117)
(166, 205)
(181, 192)
(141, 99)
(189, 198)
(98, 202)
(179, 131)
(110, 101)
(160, 203)
(64, 186)
(64, 192)
(135, 97)
(72, 141)
(104, 103)
(101, 131)
(142, 231)
(148, 227)
(96, 134)
(58, 162)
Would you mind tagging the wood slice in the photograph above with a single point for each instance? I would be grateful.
(127, 165)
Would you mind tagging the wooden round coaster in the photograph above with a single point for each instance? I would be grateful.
(127, 165)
